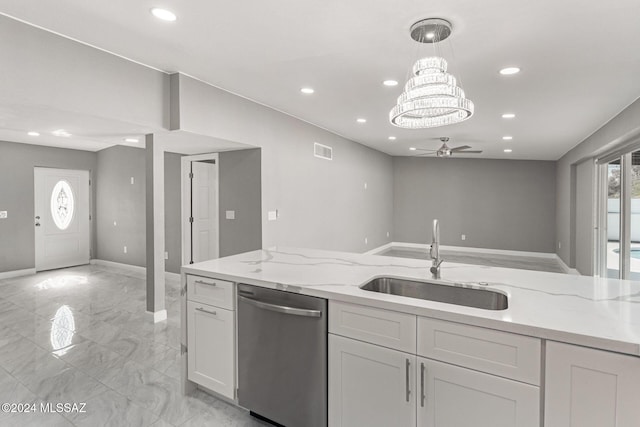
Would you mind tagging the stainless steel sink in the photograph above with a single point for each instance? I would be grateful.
(470, 297)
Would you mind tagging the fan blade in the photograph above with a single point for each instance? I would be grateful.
(462, 147)
(469, 152)
(425, 149)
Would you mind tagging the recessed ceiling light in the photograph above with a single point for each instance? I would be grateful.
(307, 90)
(412, 148)
(33, 134)
(507, 138)
(164, 14)
(508, 150)
(361, 120)
(390, 83)
(430, 36)
(131, 140)
(508, 116)
(61, 132)
(392, 138)
(509, 70)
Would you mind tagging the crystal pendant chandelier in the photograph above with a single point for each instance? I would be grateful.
(431, 97)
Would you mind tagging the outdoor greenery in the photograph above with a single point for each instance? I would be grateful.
(614, 181)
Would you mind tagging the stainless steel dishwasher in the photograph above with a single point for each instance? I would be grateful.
(282, 356)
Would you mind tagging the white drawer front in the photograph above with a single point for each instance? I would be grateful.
(383, 327)
(500, 353)
(210, 291)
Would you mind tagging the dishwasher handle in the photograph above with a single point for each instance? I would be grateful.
(282, 308)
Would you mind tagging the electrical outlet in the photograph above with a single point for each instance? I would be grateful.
(125, 249)
(3, 214)
(166, 255)
(230, 214)
(132, 180)
(366, 241)
(559, 245)
(365, 185)
(463, 237)
(388, 234)
(115, 224)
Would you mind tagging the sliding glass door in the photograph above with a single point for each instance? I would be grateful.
(619, 216)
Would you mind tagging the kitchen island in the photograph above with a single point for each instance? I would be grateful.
(559, 334)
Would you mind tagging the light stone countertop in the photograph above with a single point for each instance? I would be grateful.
(583, 310)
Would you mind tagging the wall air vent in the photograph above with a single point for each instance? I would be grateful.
(322, 151)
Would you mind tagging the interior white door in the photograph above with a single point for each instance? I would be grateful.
(204, 210)
(61, 218)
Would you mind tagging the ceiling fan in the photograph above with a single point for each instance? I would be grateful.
(446, 151)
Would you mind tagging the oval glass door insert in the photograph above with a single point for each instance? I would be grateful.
(62, 204)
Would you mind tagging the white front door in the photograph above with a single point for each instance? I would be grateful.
(61, 218)
(204, 210)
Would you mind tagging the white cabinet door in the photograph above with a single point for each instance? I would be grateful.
(591, 388)
(370, 385)
(210, 347)
(457, 397)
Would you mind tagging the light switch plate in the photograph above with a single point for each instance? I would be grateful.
(272, 215)
(3, 214)
(231, 214)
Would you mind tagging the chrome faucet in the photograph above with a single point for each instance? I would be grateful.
(434, 251)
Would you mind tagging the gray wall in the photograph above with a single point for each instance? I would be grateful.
(497, 204)
(584, 220)
(239, 188)
(321, 204)
(58, 74)
(17, 251)
(123, 203)
(172, 212)
(621, 130)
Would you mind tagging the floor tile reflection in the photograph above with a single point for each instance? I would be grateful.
(82, 335)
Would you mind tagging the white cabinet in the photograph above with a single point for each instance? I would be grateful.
(483, 383)
(590, 388)
(370, 385)
(211, 349)
(451, 396)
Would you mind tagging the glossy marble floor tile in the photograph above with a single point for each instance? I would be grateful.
(81, 335)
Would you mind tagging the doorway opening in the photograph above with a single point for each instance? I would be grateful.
(200, 199)
(618, 249)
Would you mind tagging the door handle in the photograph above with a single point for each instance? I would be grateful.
(422, 394)
(37, 224)
(407, 378)
(206, 311)
(282, 308)
(38, 217)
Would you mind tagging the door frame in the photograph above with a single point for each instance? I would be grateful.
(90, 236)
(185, 197)
(624, 154)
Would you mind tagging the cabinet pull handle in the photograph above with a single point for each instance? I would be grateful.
(206, 311)
(422, 394)
(202, 282)
(407, 378)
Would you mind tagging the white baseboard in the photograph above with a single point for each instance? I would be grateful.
(425, 247)
(17, 273)
(379, 249)
(129, 267)
(158, 316)
(136, 268)
(566, 268)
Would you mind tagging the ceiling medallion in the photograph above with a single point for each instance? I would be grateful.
(431, 97)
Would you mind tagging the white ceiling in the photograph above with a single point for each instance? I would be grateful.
(580, 60)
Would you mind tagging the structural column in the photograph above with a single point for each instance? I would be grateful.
(155, 228)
